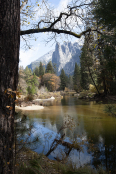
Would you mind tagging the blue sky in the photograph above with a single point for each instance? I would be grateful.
(39, 47)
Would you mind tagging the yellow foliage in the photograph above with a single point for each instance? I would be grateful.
(52, 80)
(92, 88)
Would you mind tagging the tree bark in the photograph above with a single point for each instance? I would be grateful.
(9, 59)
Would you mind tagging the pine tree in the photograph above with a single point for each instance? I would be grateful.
(63, 80)
(76, 77)
(33, 85)
(22, 85)
(36, 71)
(49, 68)
(28, 74)
(44, 69)
(83, 70)
(55, 68)
(41, 69)
(32, 81)
(70, 82)
(67, 80)
(105, 13)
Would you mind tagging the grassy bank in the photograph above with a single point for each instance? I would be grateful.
(30, 162)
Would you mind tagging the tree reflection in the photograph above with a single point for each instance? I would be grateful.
(104, 153)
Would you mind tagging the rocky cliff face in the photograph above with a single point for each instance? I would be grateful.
(64, 56)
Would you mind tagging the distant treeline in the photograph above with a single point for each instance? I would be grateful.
(92, 70)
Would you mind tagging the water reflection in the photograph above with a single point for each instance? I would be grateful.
(93, 127)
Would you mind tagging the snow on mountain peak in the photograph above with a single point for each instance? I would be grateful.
(64, 56)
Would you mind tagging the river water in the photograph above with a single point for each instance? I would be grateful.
(94, 131)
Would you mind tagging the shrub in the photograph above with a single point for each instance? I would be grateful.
(51, 81)
(29, 98)
(43, 89)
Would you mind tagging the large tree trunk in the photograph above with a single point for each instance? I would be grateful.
(9, 59)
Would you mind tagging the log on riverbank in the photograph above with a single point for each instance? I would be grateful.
(70, 146)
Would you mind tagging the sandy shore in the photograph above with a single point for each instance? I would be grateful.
(33, 107)
(47, 99)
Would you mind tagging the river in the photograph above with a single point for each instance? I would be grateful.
(94, 130)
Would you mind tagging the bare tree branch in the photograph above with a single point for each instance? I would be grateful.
(78, 6)
(23, 4)
(72, 21)
(59, 19)
(32, 31)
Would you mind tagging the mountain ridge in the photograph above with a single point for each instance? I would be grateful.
(44, 59)
(64, 56)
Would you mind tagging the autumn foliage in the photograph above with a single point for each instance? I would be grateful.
(51, 81)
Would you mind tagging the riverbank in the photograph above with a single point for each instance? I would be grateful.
(32, 107)
(37, 102)
(99, 98)
(28, 160)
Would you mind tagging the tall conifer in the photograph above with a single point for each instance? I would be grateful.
(36, 71)
(83, 70)
(41, 69)
(49, 68)
(76, 77)
(63, 80)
